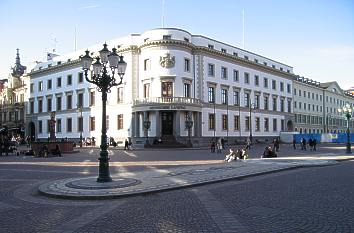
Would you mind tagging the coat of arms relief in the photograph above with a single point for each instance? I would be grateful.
(167, 61)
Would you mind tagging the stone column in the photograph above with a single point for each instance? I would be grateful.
(157, 122)
(133, 125)
(177, 123)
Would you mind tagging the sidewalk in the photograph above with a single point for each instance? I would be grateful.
(172, 178)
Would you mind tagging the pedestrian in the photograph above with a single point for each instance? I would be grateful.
(130, 144)
(212, 147)
(223, 143)
(126, 144)
(314, 142)
(218, 147)
(248, 144)
(310, 144)
(304, 143)
(294, 143)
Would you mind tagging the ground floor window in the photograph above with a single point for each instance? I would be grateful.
(120, 121)
(212, 121)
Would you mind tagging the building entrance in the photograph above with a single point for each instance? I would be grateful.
(167, 123)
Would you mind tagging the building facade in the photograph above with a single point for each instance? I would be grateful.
(172, 76)
(316, 106)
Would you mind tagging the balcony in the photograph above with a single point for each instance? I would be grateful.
(167, 103)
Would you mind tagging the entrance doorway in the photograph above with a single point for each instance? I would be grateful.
(32, 131)
(167, 123)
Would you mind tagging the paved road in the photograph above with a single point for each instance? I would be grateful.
(304, 200)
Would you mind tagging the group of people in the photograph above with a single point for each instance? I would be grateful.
(219, 146)
(237, 154)
(303, 144)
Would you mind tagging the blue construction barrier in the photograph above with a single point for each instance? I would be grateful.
(333, 137)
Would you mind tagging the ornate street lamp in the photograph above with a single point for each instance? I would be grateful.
(81, 123)
(104, 80)
(347, 111)
(147, 125)
(253, 106)
(189, 125)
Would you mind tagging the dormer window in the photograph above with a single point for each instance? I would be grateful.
(210, 46)
(166, 37)
(246, 57)
(223, 50)
(186, 39)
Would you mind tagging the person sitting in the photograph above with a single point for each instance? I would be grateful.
(269, 153)
(243, 154)
(57, 151)
(231, 156)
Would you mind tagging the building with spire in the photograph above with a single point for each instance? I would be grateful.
(13, 99)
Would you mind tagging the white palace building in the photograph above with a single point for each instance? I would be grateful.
(172, 77)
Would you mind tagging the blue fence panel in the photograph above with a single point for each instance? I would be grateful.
(336, 138)
(307, 136)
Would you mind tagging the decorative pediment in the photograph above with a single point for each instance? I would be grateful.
(167, 61)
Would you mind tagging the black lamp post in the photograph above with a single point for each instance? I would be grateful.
(189, 125)
(104, 80)
(81, 123)
(147, 125)
(347, 111)
(252, 108)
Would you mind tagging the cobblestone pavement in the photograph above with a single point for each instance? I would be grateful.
(313, 199)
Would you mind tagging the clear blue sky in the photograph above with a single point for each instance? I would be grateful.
(315, 37)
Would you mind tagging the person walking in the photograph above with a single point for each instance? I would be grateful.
(248, 144)
(314, 143)
(294, 143)
(126, 144)
(219, 147)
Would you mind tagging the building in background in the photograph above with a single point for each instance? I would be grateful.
(316, 106)
(13, 97)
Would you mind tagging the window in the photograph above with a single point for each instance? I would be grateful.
(256, 60)
(256, 101)
(32, 87)
(166, 37)
(224, 95)
(92, 123)
(210, 46)
(186, 39)
(80, 122)
(246, 57)
(80, 77)
(40, 105)
(167, 89)
(40, 86)
(211, 94)
(289, 106)
(266, 124)
(92, 98)
(58, 103)
(120, 95)
(308, 95)
(299, 92)
(313, 96)
(275, 104)
(223, 72)
(69, 100)
(282, 105)
(69, 79)
(224, 122)
(281, 86)
(211, 121)
(281, 68)
(49, 104)
(246, 77)
(275, 122)
(235, 54)
(186, 65)
(236, 122)
(247, 99)
(58, 82)
(69, 125)
(265, 82)
(146, 64)
(186, 90)
(58, 125)
(40, 127)
(273, 66)
(274, 84)
(288, 88)
(236, 77)
(258, 124)
(266, 102)
(147, 90)
(256, 80)
(211, 71)
(223, 50)
(247, 123)
(282, 125)
(49, 84)
(295, 104)
(265, 63)
(294, 91)
(80, 99)
(120, 121)
(236, 98)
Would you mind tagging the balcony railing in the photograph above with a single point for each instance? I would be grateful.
(167, 100)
